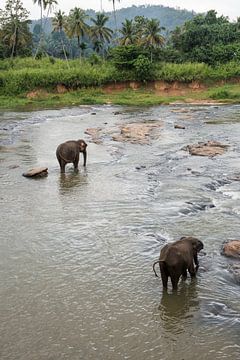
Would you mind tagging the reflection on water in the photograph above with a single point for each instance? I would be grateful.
(68, 181)
(176, 307)
(77, 249)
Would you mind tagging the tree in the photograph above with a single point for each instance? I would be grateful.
(99, 32)
(128, 32)
(151, 36)
(207, 38)
(15, 33)
(77, 26)
(44, 4)
(59, 23)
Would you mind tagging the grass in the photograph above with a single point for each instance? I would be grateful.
(128, 97)
(86, 83)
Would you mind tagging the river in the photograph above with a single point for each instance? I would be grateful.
(76, 250)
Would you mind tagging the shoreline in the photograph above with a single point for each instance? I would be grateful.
(122, 94)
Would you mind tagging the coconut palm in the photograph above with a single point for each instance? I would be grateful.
(59, 23)
(99, 32)
(151, 36)
(44, 4)
(76, 26)
(128, 33)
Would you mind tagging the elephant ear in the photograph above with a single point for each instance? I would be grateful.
(197, 244)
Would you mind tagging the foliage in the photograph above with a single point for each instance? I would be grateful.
(15, 36)
(123, 57)
(143, 68)
(207, 38)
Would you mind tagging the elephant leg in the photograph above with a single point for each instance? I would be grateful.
(164, 274)
(75, 162)
(184, 274)
(192, 270)
(62, 164)
(174, 280)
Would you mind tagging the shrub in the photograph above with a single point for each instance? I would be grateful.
(143, 68)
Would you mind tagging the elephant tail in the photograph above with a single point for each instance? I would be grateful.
(154, 264)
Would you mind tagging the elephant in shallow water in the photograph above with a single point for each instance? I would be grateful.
(68, 152)
(178, 257)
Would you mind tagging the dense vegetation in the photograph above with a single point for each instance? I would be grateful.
(83, 51)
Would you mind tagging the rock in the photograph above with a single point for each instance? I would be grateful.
(36, 172)
(210, 148)
(177, 126)
(117, 113)
(93, 113)
(95, 134)
(139, 133)
(232, 249)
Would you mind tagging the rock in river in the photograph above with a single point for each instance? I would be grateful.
(232, 249)
(210, 148)
(36, 172)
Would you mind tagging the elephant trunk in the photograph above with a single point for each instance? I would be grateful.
(84, 158)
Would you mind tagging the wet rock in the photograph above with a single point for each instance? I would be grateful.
(36, 172)
(234, 177)
(140, 167)
(95, 134)
(210, 148)
(232, 249)
(117, 113)
(13, 167)
(177, 126)
(217, 184)
(140, 133)
(93, 113)
(196, 207)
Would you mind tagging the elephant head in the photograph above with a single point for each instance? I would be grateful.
(83, 149)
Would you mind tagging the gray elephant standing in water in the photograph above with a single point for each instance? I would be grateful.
(68, 152)
(178, 257)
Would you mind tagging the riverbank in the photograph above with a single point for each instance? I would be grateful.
(132, 94)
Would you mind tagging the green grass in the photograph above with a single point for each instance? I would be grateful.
(85, 83)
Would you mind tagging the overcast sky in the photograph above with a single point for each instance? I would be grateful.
(230, 8)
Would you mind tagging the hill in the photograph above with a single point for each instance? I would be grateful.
(168, 17)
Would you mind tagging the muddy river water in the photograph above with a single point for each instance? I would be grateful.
(76, 250)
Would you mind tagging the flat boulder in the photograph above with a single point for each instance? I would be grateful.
(210, 148)
(36, 172)
(138, 133)
(232, 249)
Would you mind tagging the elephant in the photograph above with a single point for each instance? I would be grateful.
(68, 152)
(178, 257)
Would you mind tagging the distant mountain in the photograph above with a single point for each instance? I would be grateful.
(168, 17)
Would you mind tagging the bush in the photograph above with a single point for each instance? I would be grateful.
(123, 57)
(143, 68)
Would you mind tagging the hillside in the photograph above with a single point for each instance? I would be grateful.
(168, 17)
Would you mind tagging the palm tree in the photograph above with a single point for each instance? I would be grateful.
(83, 47)
(128, 32)
(97, 46)
(99, 32)
(151, 35)
(59, 24)
(76, 24)
(44, 4)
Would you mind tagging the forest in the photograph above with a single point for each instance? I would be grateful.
(83, 49)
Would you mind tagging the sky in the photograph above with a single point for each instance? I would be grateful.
(230, 8)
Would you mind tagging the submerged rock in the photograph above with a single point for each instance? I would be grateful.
(235, 271)
(36, 172)
(210, 148)
(232, 249)
(177, 126)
